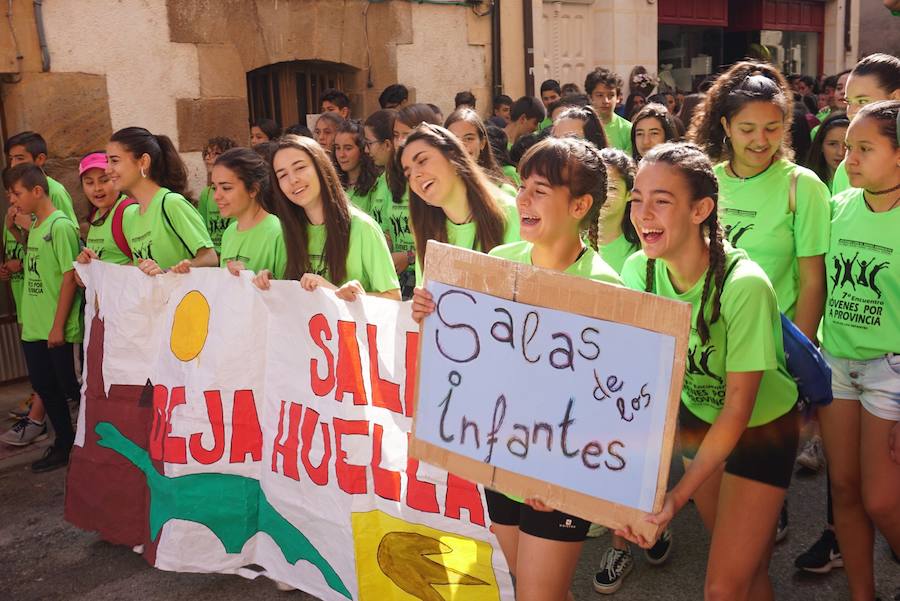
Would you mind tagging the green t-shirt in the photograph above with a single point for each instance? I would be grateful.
(396, 215)
(212, 218)
(756, 216)
(364, 202)
(167, 238)
(746, 337)
(260, 247)
(588, 265)
(52, 248)
(862, 319)
(617, 251)
(618, 133)
(463, 234)
(512, 175)
(100, 237)
(13, 250)
(840, 181)
(60, 198)
(368, 258)
(381, 195)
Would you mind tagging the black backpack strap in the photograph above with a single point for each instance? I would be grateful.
(171, 226)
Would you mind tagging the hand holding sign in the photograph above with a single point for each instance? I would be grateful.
(553, 388)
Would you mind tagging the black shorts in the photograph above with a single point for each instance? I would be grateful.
(551, 525)
(764, 453)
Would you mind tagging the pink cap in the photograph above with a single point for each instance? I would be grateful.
(95, 160)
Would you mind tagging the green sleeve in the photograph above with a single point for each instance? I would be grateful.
(60, 198)
(203, 204)
(812, 220)
(376, 258)
(748, 309)
(280, 256)
(187, 222)
(510, 172)
(634, 271)
(512, 232)
(840, 181)
(65, 243)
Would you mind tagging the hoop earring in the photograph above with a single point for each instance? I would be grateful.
(725, 140)
(144, 175)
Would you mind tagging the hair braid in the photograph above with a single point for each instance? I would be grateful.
(593, 234)
(715, 275)
(650, 275)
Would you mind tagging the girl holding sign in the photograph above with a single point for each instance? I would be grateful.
(861, 337)
(738, 430)
(563, 188)
(450, 197)
(330, 243)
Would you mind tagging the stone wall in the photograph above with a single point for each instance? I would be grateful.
(179, 67)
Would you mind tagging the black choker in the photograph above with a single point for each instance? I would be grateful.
(880, 192)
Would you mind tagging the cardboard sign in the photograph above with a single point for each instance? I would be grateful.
(540, 384)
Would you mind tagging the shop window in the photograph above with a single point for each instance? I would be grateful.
(792, 51)
(287, 92)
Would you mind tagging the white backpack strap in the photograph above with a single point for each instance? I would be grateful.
(792, 191)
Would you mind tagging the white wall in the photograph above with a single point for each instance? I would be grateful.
(128, 42)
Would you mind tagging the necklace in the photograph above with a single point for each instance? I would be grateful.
(890, 208)
(744, 179)
(880, 192)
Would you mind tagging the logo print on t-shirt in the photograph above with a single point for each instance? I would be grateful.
(734, 232)
(699, 366)
(33, 265)
(864, 276)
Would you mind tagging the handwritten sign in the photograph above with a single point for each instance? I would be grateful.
(545, 385)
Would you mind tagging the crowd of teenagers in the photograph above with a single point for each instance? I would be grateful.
(699, 199)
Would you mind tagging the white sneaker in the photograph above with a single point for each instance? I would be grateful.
(812, 457)
(24, 432)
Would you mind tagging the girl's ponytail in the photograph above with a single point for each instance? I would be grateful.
(169, 171)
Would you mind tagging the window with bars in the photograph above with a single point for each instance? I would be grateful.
(287, 92)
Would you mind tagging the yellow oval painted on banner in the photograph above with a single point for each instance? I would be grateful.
(190, 326)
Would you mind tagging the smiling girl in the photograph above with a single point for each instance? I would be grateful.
(330, 243)
(450, 197)
(775, 210)
(737, 425)
(861, 340)
(563, 188)
(652, 125)
(617, 239)
(466, 125)
(110, 214)
(166, 230)
(355, 166)
(240, 180)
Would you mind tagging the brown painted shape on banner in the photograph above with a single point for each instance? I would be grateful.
(105, 493)
(404, 558)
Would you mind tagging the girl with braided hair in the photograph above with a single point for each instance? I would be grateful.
(775, 210)
(563, 188)
(738, 429)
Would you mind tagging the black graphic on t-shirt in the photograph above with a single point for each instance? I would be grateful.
(865, 275)
(734, 232)
(701, 367)
(32, 265)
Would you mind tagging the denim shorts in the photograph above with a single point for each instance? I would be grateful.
(875, 383)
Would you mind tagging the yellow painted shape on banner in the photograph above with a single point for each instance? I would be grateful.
(402, 561)
(190, 326)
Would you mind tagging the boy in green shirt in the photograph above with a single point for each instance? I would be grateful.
(30, 147)
(604, 88)
(51, 306)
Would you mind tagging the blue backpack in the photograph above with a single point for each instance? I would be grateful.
(804, 362)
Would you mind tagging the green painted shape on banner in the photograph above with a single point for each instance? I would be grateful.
(197, 498)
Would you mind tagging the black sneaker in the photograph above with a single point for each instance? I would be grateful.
(822, 557)
(659, 553)
(54, 458)
(781, 529)
(617, 563)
